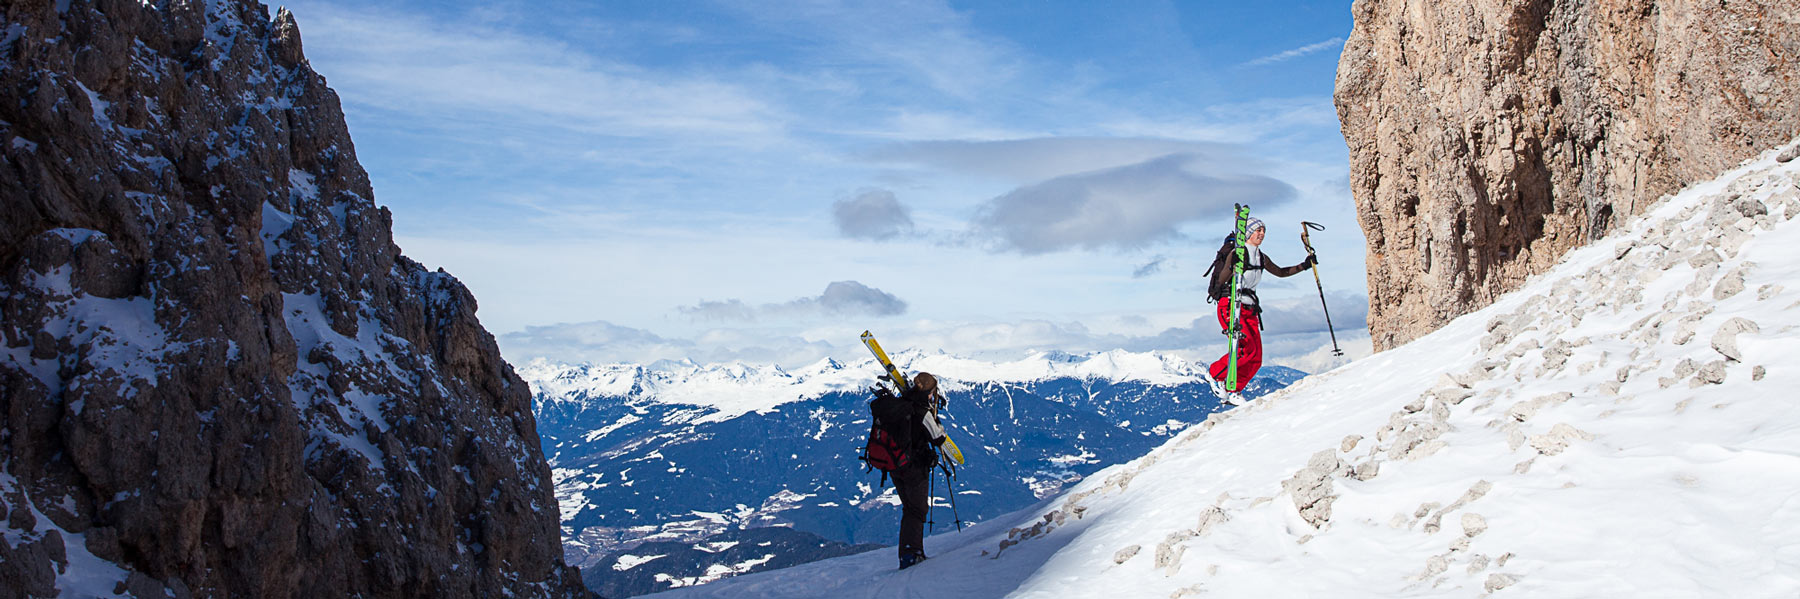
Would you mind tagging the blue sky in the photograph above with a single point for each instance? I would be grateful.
(761, 181)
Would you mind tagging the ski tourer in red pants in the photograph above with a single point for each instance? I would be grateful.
(1249, 347)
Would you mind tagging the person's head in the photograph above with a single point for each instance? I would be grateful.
(1256, 231)
(925, 382)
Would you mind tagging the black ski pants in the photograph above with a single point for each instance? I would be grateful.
(913, 484)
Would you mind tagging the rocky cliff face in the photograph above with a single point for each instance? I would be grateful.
(1489, 137)
(218, 374)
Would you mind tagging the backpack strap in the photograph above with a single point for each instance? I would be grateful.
(1224, 252)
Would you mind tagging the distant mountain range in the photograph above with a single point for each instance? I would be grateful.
(650, 459)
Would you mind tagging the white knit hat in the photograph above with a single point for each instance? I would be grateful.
(1253, 224)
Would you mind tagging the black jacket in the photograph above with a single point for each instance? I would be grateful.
(911, 433)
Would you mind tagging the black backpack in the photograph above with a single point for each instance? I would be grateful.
(889, 437)
(1219, 285)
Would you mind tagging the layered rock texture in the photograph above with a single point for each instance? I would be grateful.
(1487, 138)
(218, 375)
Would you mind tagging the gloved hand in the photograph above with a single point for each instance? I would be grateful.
(1311, 260)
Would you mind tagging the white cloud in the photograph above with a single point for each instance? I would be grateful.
(1336, 42)
(1125, 208)
(1037, 159)
(873, 214)
(1262, 124)
(1303, 314)
(1155, 265)
(478, 73)
(615, 168)
(598, 342)
(922, 44)
(602, 342)
(1294, 345)
(841, 298)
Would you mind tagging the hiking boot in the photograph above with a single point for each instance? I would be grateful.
(911, 559)
(1218, 388)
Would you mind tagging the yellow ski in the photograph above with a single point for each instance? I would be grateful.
(893, 372)
(950, 449)
(932, 424)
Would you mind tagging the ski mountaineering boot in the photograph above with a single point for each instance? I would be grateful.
(1218, 388)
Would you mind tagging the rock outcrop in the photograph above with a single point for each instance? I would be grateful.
(218, 375)
(1489, 137)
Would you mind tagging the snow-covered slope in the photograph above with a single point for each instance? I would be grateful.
(1626, 425)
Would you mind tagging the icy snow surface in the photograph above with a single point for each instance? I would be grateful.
(1623, 426)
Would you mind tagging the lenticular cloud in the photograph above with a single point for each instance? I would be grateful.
(1123, 208)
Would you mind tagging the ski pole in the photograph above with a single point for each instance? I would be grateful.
(930, 503)
(950, 487)
(1304, 229)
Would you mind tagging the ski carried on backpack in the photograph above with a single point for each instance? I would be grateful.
(932, 424)
(1242, 214)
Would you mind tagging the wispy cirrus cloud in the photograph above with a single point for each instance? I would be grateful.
(922, 46)
(1336, 42)
(1033, 160)
(471, 69)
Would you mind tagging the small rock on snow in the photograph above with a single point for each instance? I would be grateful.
(1725, 340)
(1473, 524)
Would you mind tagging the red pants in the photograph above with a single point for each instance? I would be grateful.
(1249, 351)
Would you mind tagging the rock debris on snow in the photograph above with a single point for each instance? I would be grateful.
(1188, 591)
(1712, 373)
(1733, 282)
(1168, 552)
(1724, 340)
(1473, 524)
(1559, 438)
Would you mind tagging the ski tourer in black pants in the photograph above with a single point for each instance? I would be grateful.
(913, 483)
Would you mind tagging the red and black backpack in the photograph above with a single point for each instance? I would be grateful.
(887, 449)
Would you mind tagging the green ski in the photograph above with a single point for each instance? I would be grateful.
(1242, 214)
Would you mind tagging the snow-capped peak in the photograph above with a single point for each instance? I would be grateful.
(735, 388)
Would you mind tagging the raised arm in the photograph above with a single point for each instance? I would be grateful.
(1287, 271)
